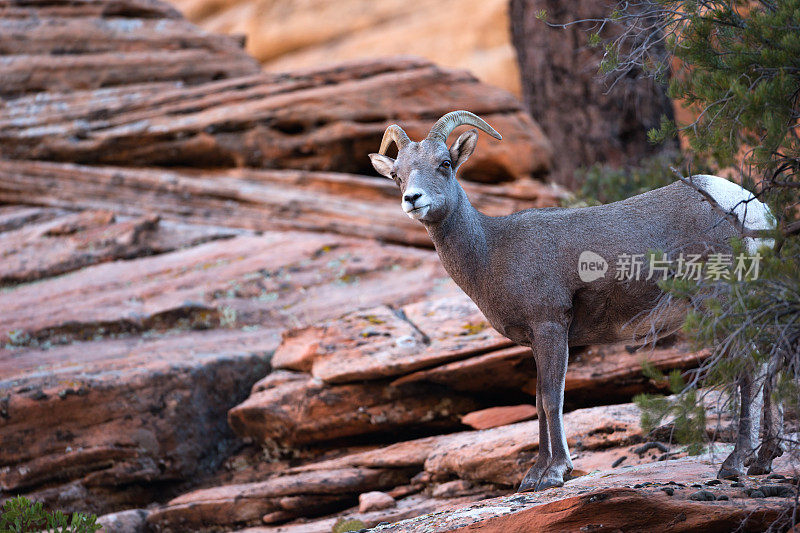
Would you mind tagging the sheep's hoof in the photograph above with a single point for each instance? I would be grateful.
(531, 480)
(541, 478)
(549, 482)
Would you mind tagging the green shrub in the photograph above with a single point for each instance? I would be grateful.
(21, 515)
(344, 525)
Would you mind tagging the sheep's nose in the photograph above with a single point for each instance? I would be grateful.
(411, 198)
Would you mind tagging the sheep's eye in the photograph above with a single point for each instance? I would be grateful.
(445, 164)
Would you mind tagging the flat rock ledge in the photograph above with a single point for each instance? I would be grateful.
(629, 499)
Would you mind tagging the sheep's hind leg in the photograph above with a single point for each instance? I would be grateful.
(748, 430)
(771, 445)
(551, 352)
(531, 479)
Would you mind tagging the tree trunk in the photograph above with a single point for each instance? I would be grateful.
(565, 95)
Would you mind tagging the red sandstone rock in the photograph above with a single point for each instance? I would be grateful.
(13, 217)
(312, 120)
(97, 8)
(502, 455)
(138, 411)
(499, 416)
(86, 426)
(70, 241)
(480, 461)
(450, 489)
(499, 455)
(596, 374)
(447, 341)
(597, 436)
(374, 501)
(600, 373)
(406, 508)
(471, 34)
(301, 494)
(605, 500)
(62, 46)
(260, 200)
(381, 342)
(307, 411)
(132, 521)
(276, 279)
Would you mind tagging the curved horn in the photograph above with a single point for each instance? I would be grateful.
(393, 133)
(445, 125)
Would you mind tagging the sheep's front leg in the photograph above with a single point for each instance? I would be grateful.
(551, 352)
(543, 460)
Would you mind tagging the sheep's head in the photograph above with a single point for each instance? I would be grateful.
(425, 171)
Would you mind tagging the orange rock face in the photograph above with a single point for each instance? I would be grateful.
(456, 33)
(313, 120)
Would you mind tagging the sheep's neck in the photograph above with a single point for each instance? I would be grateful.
(460, 240)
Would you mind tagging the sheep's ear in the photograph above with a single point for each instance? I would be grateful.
(463, 147)
(383, 164)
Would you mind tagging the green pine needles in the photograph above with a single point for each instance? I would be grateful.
(20, 515)
(683, 410)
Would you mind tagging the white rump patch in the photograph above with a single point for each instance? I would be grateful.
(733, 198)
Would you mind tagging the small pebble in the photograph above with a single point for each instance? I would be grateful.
(669, 490)
(39, 395)
(755, 493)
(618, 461)
(737, 484)
(776, 476)
(451, 489)
(649, 446)
(702, 496)
(713, 482)
(697, 485)
(722, 497)
(781, 491)
(374, 501)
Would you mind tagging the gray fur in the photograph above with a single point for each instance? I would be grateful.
(522, 271)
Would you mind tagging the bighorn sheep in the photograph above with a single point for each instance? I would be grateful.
(522, 269)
